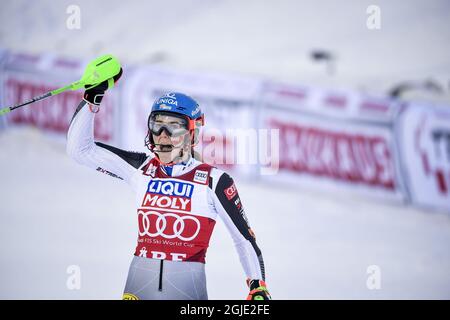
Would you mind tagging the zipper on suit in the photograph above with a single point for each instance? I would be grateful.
(160, 274)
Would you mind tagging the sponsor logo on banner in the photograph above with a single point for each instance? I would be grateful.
(200, 176)
(231, 191)
(339, 155)
(336, 101)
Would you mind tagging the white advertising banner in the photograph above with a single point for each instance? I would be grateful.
(424, 141)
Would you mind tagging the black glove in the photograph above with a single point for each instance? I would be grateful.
(95, 95)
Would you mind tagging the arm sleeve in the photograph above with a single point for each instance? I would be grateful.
(81, 147)
(229, 207)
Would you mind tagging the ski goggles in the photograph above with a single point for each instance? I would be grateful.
(174, 125)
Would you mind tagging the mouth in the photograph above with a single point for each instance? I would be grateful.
(165, 147)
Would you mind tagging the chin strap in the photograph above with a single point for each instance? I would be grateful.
(149, 143)
(171, 163)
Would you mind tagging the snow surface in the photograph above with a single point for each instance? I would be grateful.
(56, 213)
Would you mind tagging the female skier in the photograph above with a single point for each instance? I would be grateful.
(178, 199)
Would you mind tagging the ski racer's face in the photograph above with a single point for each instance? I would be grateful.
(171, 137)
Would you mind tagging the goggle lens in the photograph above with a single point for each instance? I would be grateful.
(174, 126)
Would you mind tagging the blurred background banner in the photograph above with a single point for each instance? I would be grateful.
(424, 135)
(330, 139)
(332, 149)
